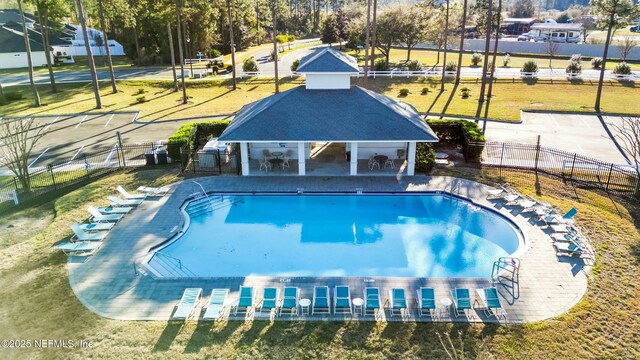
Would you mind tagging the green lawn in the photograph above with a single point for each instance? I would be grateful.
(38, 303)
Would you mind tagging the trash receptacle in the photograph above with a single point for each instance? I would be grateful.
(150, 157)
(162, 157)
(348, 153)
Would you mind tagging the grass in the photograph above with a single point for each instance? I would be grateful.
(208, 98)
(37, 302)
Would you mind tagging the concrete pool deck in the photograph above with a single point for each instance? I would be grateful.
(107, 284)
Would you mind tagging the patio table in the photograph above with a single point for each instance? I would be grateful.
(381, 159)
(277, 162)
(277, 154)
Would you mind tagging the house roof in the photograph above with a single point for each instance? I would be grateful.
(36, 35)
(328, 60)
(354, 114)
(13, 42)
(550, 26)
(8, 15)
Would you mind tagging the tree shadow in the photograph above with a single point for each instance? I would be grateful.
(168, 335)
(450, 99)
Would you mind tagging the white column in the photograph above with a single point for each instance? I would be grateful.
(411, 159)
(301, 158)
(354, 159)
(244, 155)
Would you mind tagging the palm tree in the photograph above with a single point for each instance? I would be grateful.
(87, 45)
(233, 46)
(173, 58)
(114, 89)
(463, 23)
(27, 45)
(275, 44)
(181, 56)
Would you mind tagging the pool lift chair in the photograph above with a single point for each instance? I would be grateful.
(320, 303)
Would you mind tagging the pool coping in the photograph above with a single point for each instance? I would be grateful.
(107, 285)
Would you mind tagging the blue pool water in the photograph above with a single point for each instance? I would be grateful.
(342, 235)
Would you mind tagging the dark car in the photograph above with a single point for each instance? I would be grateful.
(635, 28)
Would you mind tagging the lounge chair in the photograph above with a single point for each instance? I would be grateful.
(154, 191)
(528, 204)
(117, 202)
(320, 303)
(566, 237)
(461, 301)
(114, 210)
(562, 228)
(215, 306)
(187, 303)
(491, 301)
(372, 302)
(269, 300)
(81, 235)
(96, 226)
(290, 297)
(567, 218)
(568, 249)
(497, 193)
(79, 248)
(245, 300)
(96, 216)
(342, 300)
(426, 301)
(129, 196)
(512, 198)
(398, 301)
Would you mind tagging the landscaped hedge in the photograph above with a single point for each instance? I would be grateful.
(466, 133)
(206, 129)
(425, 157)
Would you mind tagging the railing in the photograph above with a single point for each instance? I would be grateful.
(203, 192)
(171, 266)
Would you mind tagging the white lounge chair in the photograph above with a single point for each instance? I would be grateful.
(216, 304)
(79, 248)
(99, 217)
(117, 202)
(114, 210)
(500, 192)
(154, 191)
(187, 303)
(129, 196)
(85, 236)
(568, 249)
(97, 226)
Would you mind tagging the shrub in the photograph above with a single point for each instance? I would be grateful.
(469, 128)
(506, 59)
(3, 101)
(476, 58)
(529, 67)
(13, 95)
(596, 62)
(404, 92)
(574, 67)
(214, 53)
(141, 91)
(295, 64)
(465, 92)
(451, 66)
(141, 99)
(380, 65)
(181, 136)
(576, 58)
(622, 69)
(414, 65)
(424, 91)
(425, 157)
(250, 65)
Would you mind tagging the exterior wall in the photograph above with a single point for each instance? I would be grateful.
(77, 48)
(19, 60)
(368, 149)
(328, 81)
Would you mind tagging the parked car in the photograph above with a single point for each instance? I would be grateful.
(524, 37)
(635, 28)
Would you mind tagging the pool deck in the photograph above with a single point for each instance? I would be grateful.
(107, 284)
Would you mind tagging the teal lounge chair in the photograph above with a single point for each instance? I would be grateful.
(269, 300)
(187, 303)
(245, 301)
(461, 301)
(426, 301)
(491, 301)
(372, 302)
(216, 304)
(79, 248)
(342, 300)
(398, 301)
(117, 202)
(568, 249)
(86, 236)
(320, 303)
(96, 216)
(107, 210)
(129, 196)
(97, 226)
(289, 302)
(567, 218)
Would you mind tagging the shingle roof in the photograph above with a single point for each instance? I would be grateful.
(36, 35)
(328, 60)
(354, 114)
(11, 42)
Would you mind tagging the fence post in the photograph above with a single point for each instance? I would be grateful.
(53, 178)
(120, 150)
(501, 159)
(87, 167)
(609, 179)
(573, 165)
(537, 154)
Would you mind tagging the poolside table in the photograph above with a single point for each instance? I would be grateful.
(446, 302)
(304, 304)
(358, 304)
(381, 159)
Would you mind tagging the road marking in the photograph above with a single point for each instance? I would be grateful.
(39, 156)
(83, 119)
(584, 121)
(554, 120)
(77, 152)
(582, 150)
(51, 123)
(108, 121)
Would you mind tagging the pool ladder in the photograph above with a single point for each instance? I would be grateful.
(506, 268)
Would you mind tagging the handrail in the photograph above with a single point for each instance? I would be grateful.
(171, 257)
(204, 192)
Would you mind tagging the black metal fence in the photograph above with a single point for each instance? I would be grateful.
(216, 161)
(49, 180)
(589, 172)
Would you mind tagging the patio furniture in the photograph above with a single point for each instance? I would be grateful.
(358, 304)
(187, 303)
(568, 249)
(372, 302)
(118, 202)
(446, 303)
(491, 302)
(498, 193)
(269, 300)
(99, 217)
(266, 153)
(373, 163)
(154, 191)
(567, 218)
(216, 304)
(304, 305)
(398, 302)
(320, 300)
(129, 196)
(245, 301)
(277, 162)
(290, 297)
(342, 300)
(426, 301)
(79, 248)
(381, 159)
(285, 161)
(114, 210)
(461, 301)
(97, 226)
(265, 164)
(277, 154)
(86, 236)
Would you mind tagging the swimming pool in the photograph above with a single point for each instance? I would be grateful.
(409, 235)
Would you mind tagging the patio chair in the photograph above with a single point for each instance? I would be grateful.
(85, 236)
(285, 162)
(567, 237)
(266, 153)
(342, 300)
(215, 306)
(129, 196)
(567, 218)
(154, 191)
(114, 210)
(389, 163)
(568, 249)
(426, 301)
(320, 303)
(373, 163)
(118, 202)
(96, 226)
(269, 300)
(512, 198)
(290, 297)
(187, 303)
(398, 302)
(461, 301)
(245, 300)
(491, 302)
(96, 216)
(372, 302)
(265, 164)
(79, 248)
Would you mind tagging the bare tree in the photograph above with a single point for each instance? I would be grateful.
(629, 134)
(626, 45)
(27, 45)
(17, 140)
(552, 49)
